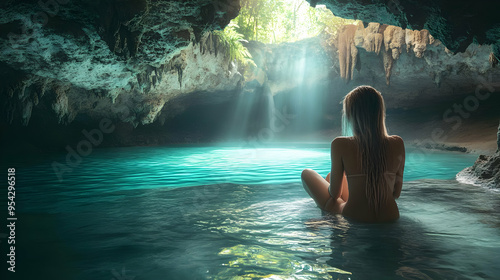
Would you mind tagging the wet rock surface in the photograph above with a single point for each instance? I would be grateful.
(485, 171)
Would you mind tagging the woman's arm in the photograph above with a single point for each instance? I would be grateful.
(337, 171)
(399, 174)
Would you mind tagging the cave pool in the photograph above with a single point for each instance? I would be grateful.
(236, 212)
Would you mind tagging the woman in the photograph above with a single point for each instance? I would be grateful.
(367, 169)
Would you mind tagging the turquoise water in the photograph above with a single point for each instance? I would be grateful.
(241, 213)
(172, 167)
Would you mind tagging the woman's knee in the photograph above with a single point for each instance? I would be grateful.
(306, 173)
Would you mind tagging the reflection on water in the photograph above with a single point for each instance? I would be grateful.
(109, 170)
(131, 211)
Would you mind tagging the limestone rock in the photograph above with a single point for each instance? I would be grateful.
(197, 68)
(394, 39)
(347, 51)
(485, 171)
(455, 23)
(498, 138)
(371, 39)
(103, 44)
(418, 39)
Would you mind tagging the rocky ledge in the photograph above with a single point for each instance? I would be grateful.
(485, 171)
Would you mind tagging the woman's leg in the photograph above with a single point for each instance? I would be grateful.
(317, 187)
(345, 190)
(344, 193)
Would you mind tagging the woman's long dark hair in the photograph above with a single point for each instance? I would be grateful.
(364, 110)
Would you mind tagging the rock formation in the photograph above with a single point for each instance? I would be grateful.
(196, 68)
(485, 171)
(67, 64)
(498, 139)
(347, 51)
(372, 38)
(455, 23)
(83, 57)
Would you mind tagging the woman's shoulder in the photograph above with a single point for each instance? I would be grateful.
(342, 142)
(343, 139)
(341, 145)
(396, 140)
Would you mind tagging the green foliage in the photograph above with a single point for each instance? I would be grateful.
(231, 41)
(276, 21)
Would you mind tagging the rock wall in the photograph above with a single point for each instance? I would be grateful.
(83, 57)
(200, 67)
(103, 44)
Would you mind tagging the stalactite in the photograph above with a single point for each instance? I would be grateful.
(359, 37)
(408, 39)
(210, 43)
(388, 62)
(354, 59)
(179, 74)
(394, 38)
(61, 105)
(346, 48)
(371, 38)
(493, 60)
(418, 39)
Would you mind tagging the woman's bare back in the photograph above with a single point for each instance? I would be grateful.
(357, 206)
